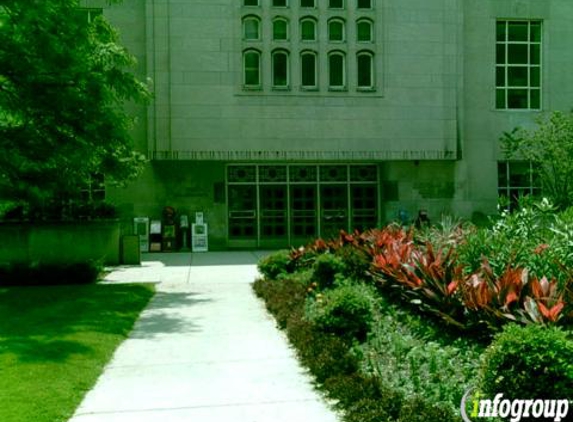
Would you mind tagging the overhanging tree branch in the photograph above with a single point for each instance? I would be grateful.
(63, 84)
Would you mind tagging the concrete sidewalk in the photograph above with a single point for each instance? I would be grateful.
(204, 350)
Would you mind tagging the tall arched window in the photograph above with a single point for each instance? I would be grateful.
(280, 69)
(251, 28)
(336, 70)
(365, 69)
(280, 29)
(336, 30)
(308, 29)
(252, 68)
(308, 69)
(364, 30)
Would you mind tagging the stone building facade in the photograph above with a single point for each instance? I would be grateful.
(282, 120)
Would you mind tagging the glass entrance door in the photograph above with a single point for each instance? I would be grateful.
(364, 207)
(242, 215)
(333, 210)
(273, 206)
(303, 213)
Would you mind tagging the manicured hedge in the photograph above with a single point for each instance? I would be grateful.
(332, 331)
(43, 274)
(531, 362)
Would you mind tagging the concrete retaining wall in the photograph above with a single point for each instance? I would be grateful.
(60, 242)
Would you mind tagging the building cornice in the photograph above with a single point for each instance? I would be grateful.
(264, 155)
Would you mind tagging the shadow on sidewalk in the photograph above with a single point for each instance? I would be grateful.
(165, 315)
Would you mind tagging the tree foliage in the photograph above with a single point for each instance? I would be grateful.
(64, 84)
(550, 147)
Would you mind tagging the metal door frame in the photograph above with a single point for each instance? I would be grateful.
(317, 183)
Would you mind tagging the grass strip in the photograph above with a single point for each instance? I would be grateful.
(55, 342)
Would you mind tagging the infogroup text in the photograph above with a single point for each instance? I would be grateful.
(514, 409)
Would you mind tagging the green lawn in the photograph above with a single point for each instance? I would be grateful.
(54, 342)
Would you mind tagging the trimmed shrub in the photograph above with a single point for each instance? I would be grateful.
(374, 381)
(420, 409)
(39, 274)
(346, 311)
(325, 269)
(356, 261)
(326, 355)
(285, 298)
(349, 389)
(530, 362)
(276, 264)
(364, 397)
(369, 410)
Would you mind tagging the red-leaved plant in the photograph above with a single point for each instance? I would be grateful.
(434, 280)
(513, 296)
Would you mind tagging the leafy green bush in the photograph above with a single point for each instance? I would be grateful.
(356, 262)
(377, 380)
(274, 265)
(284, 298)
(371, 410)
(325, 269)
(535, 237)
(364, 398)
(406, 369)
(38, 274)
(422, 360)
(326, 355)
(530, 362)
(8, 208)
(418, 408)
(346, 310)
(349, 389)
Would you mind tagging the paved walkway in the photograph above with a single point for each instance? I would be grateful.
(204, 350)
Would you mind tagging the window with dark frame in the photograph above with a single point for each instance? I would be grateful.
(518, 64)
(293, 41)
(336, 30)
(516, 179)
(308, 29)
(336, 70)
(280, 69)
(94, 190)
(252, 68)
(280, 29)
(251, 28)
(365, 70)
(364, 31)
(309, 78)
